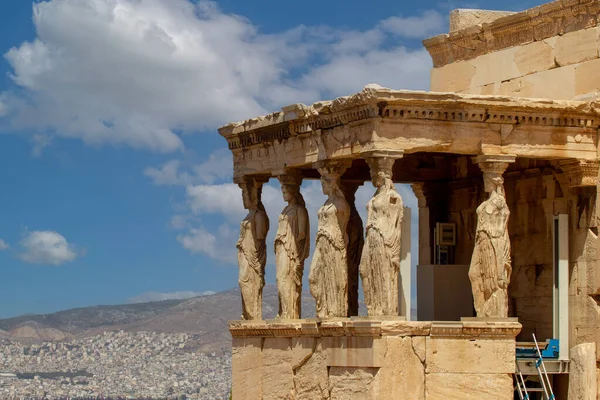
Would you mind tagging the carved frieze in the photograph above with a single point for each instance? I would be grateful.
(581, 172)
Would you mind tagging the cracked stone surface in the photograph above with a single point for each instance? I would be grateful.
(402, 376)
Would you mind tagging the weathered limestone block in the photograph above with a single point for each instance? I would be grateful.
(587, 78)
(310, 375)
(556, 84)
(519, 87)
(481, 356)
(277, 374)
(468, 387)
(598, 381)
(355, 351)
(452, 77)
(302, 349)
(402, 375)
(352, 383)
(463, 18)
(582, 372)
(420, 347)
(495, 67)
(405, 328)
(534, 57)
(488, 89)
(578, 46)
(246, 362)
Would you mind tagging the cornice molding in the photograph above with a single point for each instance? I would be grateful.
(539, 23)
(401, 106)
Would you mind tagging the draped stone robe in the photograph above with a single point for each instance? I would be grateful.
(328, 276)
(290, 253)
(490, 267)
(252, 258)
(380, 263)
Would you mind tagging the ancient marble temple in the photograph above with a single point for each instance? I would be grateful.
(502, 156)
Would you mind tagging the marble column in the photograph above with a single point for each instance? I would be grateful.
(328, 277)
(425, 252)
(292, 246)
(380, 262)
(252, 254)
(356, 240)
(491, 267)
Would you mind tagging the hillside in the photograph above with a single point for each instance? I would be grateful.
(205, 317)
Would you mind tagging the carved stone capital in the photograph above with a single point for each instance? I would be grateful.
(419, 191)
(332, 168)
(494, 163)
(251, 179)
(581, 172)
(382, 160)
(289, 177)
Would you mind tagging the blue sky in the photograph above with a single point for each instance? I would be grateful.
(114, 180)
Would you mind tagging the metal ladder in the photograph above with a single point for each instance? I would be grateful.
(546, 388)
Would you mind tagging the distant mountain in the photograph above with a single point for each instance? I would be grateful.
(205, 317)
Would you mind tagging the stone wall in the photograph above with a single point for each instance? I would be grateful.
(560, 68)
(373, 359)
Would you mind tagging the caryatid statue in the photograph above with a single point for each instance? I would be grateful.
(356, 240)
(328, 276)
(490, 267)
(252, 254)
(380, 262)
(292, 246)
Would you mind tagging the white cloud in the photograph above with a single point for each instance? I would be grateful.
(39, 142)
(47, 248)
(169, 174)
(225, 199)
(3, 245)
(217, 167)
(428, 24)
(161, 296)
(219, 245)
(349, 73)
(139, 72)
(3, 105)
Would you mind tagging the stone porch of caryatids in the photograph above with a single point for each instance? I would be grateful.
(292, 245)
(380, 262)
(491, 267)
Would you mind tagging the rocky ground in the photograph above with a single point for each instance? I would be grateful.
(114, 364)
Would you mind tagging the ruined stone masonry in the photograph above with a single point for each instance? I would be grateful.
(503, 157)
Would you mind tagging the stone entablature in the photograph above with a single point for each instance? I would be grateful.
(378, 118)
(536, 24)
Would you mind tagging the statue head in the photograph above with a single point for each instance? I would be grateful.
(381, 171)
(329, 184)
(251, 194)
(379, 178)
(493, 182)
(291, 193)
